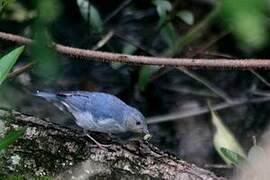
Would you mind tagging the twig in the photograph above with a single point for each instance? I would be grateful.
(194, 33)
(260, 77)
(117, 57)
(134, 43)
(20, 70)
(211, 43)
(206, 83)
(191, 113)
(218, 166)
(189, 91)
(117, 10)
(104, 40)
(162, 71)
(261, 93)
(217, 54)
(190, 36)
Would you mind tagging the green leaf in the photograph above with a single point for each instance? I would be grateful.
(7, 62)
(224, 138)
(235, 158)
(91, 14)
(169, 34)
(162, 6)
(186, 16)
(11, 137)
(144, 76)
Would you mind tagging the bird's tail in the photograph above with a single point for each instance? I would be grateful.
(51, 97)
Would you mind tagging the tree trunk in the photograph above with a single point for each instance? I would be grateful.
(49, 150)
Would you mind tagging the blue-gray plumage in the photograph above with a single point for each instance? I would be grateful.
(100, 112)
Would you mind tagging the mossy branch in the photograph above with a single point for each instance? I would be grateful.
(47, 149)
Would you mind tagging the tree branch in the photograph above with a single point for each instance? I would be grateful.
(134, 59)
(47, 149)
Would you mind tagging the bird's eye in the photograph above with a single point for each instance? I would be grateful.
(138, 123)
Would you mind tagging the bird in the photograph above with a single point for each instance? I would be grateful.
(99, 112)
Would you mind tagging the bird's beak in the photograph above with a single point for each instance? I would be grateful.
(147, 135)
(145, 131)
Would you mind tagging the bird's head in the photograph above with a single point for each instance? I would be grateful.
(135, 122)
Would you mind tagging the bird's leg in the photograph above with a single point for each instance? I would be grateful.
(102, 146)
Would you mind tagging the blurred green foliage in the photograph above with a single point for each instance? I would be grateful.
(144, 77)
(91, 15)
(48, 65)
(5, 3)
(168, 32)
(247, 20)
(11, 137)
(186, 16)
(48, 11)
(162, 6)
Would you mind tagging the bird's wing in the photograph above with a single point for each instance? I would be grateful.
(110, 125)
(72, 102)
(100, 105)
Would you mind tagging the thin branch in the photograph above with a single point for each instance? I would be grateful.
(211, 43)
(204, 110)
(218, 166)
(206, 83)
(261, 93)
(190, 91)
(201, 80)
(117, 10)
(194, 76)
(261, 78)
(20, 70)
(217, 55)
(133, 59)
(138, 45)
(103, 40)
(196, 32)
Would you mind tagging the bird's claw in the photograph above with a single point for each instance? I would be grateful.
(101, 146)
(98, 144)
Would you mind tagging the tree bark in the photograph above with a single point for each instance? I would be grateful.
(49, 150)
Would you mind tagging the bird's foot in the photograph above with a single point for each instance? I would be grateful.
(98, 144)
(101, 146)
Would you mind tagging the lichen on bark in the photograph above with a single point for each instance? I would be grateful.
(48, 150)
